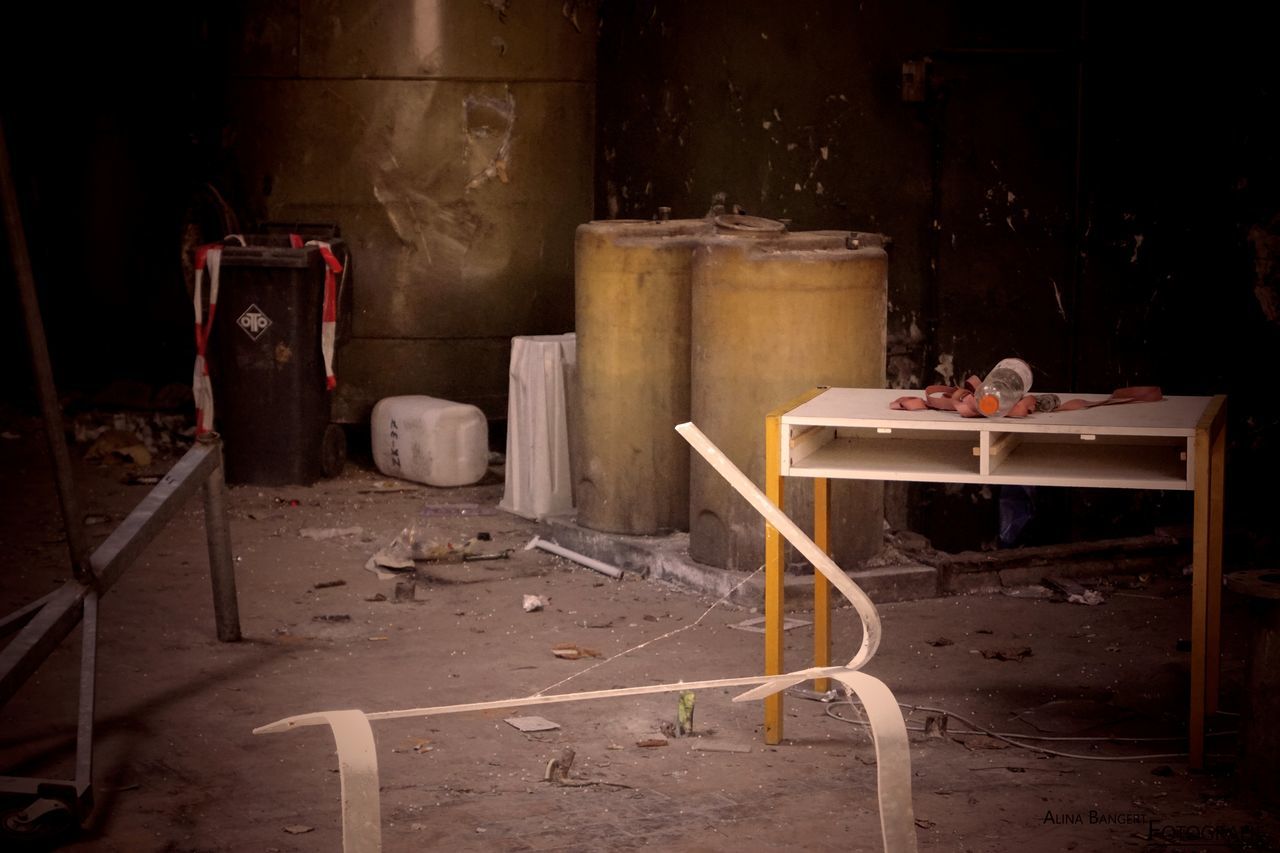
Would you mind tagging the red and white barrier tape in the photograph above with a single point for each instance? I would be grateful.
(329, 320)
(210, 256)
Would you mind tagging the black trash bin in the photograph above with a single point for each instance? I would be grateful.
(272, 401)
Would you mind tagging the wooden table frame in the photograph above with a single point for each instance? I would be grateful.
(1199, 421)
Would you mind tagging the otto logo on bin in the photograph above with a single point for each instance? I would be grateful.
(253, 321)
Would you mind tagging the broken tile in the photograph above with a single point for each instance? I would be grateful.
(531, 724)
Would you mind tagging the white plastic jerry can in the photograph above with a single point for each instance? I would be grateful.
(429, 440)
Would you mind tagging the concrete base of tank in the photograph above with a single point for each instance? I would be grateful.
(667, 558)
(1016, 571)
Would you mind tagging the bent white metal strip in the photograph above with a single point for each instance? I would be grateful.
(358, 769)
(358, 763)
(797, 537)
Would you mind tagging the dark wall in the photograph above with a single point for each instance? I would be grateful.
(112, 116)
(1077, 187)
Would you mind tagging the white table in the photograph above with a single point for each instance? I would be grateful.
(851, 433)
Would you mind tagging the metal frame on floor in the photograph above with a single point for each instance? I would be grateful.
(43, 624)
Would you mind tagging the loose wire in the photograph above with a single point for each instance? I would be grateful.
(1013, 738)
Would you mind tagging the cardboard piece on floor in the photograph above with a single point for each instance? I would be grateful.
(532, 724)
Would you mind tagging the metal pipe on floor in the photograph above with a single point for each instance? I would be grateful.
(581, 559)
(88, 697)
(222, 573)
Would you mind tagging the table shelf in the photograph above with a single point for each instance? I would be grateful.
(1100, 449)
(920, 458)
(1112, 464)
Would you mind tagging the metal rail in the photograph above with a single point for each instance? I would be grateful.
(43, 624)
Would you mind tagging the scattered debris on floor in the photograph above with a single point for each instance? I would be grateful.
(1013, 654)
(331, 584)
(332, 617)
(1035, 591)
(496, 555)
(940, 642)
(438, 510)
(320, 534)
(115, 446)
(756, 624)
(1072, 592)
(119, 436)
(298, 829)
(935, 725)
(415, 543)
(558, 768)
(651, 742)
(572, 651)
(684, 714)
(713, 746)
(420, 744)
(533, 603)
(388, 487)
(814, 695)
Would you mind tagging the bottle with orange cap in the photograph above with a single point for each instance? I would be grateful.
(1006, 384)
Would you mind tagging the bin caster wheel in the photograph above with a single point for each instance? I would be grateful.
(333, 450)
(36, 824)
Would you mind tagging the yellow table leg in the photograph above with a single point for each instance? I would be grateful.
(773, 568)
(1206, 580)
(773, 577)
(821, 586)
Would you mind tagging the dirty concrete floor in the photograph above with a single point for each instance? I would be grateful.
(179, 770)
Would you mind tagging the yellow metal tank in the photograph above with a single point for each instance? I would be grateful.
(632, 279)
(772, 318)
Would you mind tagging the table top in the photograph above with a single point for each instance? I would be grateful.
(869, 407)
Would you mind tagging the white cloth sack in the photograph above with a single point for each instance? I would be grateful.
(538, 479)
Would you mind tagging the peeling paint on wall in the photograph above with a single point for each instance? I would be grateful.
(946, 368)
(903, 346)
(1137, 245)
(1265, 242)
(498, 7)
(1057, 295)
(570, 12)
(490, 123)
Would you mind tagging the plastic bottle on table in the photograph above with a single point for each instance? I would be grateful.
(1004, 386)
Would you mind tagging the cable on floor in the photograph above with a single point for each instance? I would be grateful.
(1013, 738)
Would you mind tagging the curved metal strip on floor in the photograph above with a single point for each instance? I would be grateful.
(358, 762)
(893, 759)
(358, 769)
